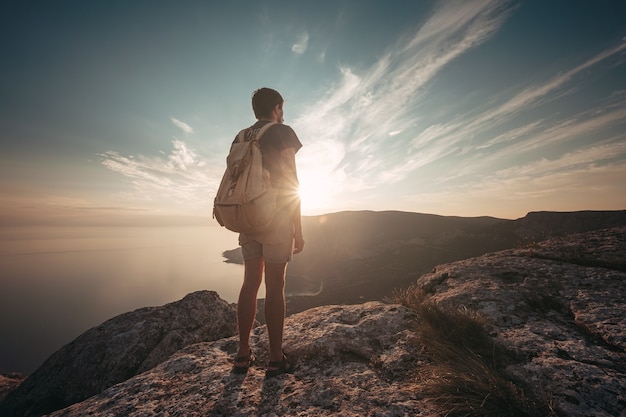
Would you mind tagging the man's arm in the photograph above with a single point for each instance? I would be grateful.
(288, 158)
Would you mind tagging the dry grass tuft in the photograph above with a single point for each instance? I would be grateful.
(465, 372)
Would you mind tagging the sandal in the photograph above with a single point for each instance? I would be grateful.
(247, 360)
(280, 367)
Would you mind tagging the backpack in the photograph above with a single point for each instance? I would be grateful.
(245, 201)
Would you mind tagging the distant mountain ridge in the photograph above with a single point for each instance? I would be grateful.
(376, 225)
(356, 256)
(541, 225)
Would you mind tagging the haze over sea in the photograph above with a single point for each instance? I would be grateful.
(57, 282)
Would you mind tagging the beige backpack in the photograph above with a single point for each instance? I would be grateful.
(245, 201)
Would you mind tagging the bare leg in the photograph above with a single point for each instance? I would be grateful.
(275, 307)
(246, 306)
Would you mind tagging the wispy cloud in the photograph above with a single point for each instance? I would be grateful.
(389, 133)
(364, 107)
(182, 125)
(384, 126)
(179, 178)
(587, 179)
(321, 57)
(301, 44)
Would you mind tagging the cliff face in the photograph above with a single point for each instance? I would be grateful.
(540, 225)
(118, 349)
(350, 359)
(557, 305)
(560, 306)
(363, 255)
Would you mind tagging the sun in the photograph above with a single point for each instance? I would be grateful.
(316, 192)
(322, 180)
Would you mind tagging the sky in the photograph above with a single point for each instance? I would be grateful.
(122, 112)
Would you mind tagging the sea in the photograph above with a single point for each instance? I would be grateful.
(58, 282)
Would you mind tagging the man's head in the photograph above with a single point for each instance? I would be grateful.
(264, 102)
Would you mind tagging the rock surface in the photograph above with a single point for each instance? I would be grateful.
(8, 383)
(118, 349)
(351, 361)
(559, 304)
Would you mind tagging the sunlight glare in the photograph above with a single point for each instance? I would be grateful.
(314, 192)
(321, 179)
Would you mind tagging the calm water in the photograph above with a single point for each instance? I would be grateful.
(55, 283)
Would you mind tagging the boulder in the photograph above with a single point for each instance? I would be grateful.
(350, 361)
(559, 306)
(119, 349)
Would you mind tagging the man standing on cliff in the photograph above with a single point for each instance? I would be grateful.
(273, 248)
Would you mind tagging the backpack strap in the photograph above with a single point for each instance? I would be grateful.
(242, 135)
(263, 130)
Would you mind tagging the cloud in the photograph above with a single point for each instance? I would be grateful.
(384, 120)
(301, 45)
(321, 57)
(389, 131)
(538, 94)
(364, 106)
(180, 178)
(362, 125)
(576, 181)
(182, 125)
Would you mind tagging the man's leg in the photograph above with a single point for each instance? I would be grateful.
(275, 307)
(246, 306)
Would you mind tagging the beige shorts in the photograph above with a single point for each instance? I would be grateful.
(275, 245)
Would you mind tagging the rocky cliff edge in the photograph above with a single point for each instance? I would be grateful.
(558, 306)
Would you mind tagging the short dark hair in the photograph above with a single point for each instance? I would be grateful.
(264, 100)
